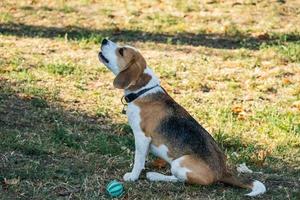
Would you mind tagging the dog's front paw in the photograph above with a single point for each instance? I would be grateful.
(130, 177)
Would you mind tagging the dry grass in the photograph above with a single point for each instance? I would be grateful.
(235, 66)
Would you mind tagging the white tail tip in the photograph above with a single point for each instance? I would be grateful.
(258, 188)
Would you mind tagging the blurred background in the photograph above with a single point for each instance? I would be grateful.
(234, 65)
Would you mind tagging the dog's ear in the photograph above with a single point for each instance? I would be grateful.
(131, 73)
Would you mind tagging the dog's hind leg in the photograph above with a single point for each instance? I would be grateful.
(179, 173)
(193, 170)
(154, 176)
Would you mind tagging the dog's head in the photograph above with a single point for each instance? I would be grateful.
(124, 61)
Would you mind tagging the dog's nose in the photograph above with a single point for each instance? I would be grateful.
(104, 42)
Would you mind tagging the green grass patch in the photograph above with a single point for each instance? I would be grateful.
(62, 136)
(110, 144)
(39, 102)
(290, 51)
(6, 17)
(34, 91)
(15, 141)
(66, 9)
(62, 69)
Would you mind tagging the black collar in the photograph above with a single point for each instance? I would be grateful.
(133, 96)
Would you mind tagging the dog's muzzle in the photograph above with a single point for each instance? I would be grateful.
(103, 57)
(103, 43)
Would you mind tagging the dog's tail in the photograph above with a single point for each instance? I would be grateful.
(257, 187)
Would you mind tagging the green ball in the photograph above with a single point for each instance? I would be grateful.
(115, 189)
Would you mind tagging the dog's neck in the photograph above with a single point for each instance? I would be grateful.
(147, 80)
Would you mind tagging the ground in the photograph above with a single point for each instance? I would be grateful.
(234, 65)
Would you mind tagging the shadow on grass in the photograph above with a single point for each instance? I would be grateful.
(78, 33)
(43, 143)
(32, 125)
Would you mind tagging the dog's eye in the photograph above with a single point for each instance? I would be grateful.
(121, 51)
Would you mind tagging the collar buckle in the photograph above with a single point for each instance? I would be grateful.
(124, 100)
(124, 105)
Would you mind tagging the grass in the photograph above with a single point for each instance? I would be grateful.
(62, 69)
(233, 66)
(290, 51)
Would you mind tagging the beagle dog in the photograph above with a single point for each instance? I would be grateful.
(164, 127)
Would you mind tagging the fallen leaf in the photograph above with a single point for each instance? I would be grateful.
(237, 109)
(286, 81)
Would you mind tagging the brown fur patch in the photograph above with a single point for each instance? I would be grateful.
(132, 65)
(149, 122)
(200, 172)
(141, 82)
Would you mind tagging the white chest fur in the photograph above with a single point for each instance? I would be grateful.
(133, 115)
(134, 120)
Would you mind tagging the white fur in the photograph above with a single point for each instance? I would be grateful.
(257, 189)
(109, 52)
(178, 171)
(161, 151)
(154, 176)
(141, 143)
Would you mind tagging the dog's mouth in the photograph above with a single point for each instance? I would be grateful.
(103, 57)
